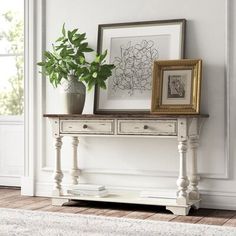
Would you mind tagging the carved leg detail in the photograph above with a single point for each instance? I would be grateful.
(182, 182)
(194, 178)
(179, 211)
(75, 170)
(58, 175)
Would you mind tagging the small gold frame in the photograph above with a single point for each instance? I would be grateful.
(176, 87)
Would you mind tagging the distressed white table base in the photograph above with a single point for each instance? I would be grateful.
(185, 128)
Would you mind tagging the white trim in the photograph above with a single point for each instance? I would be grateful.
(227, 90)
(11, 122)
(33, 14)
(10, 180)
(11, 54)
(27, 95)
(34, 45)
(11, 118)
(26, 186)
(139, 172)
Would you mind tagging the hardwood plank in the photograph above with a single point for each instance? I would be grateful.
(51, 208)
(90, 211)
(5, 193)
(37, 205)
(162, 217)
(231, 222)
(139, 215)
(201, 212)
(187, 219)
(69, 209)
(217, 217)
(21, 203)
(194, 216)
(116, 213)
(11, 198)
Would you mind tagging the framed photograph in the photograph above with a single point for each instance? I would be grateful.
(132, 48)
(176, 87)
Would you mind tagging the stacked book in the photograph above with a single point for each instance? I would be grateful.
(91, 190)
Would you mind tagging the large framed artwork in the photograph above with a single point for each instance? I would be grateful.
(132, 48)
(176, 87)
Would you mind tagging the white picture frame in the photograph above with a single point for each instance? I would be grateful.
(132, 48)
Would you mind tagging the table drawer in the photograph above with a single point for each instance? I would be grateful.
(87, 126)
(147, 127)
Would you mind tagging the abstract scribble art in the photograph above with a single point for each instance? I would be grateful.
(132, 76)
(133, 47)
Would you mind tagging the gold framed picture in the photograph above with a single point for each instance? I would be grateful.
(176, 86)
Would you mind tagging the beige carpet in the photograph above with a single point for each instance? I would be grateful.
(35, 223)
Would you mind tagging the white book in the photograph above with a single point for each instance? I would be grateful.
(157, 194)
(88, 187)
(91, 193)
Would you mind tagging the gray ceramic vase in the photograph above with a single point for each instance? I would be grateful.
(74, 95)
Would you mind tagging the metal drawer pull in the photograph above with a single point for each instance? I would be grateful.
(145, 126)
(85, 126)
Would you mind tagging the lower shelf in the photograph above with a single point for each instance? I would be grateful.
(132, 198)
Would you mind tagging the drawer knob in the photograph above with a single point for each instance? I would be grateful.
(85, 126)
(145, 126)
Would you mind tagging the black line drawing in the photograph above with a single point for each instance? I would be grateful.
(176, 86)
(133, 70)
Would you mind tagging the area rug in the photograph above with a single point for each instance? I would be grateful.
(36, 223)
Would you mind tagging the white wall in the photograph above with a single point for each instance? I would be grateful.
(150, 163)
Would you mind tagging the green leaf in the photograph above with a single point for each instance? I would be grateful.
(70, 36)
(72, 65)
(88, 50)
(85, 78)
(41, 63)
(81, 60)
(102, 84)
(68, 57)
(59, 47)
(83, 46)
(63, 30)
(102, 57)
(97, 59)
(60, 39)
(79, 38)
(94, 75)
(48, 55)
(91, 83)
(74, 31)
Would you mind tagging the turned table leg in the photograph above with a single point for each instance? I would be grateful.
(58, 175)
(194, 178)
(182, 181)
(75, 170)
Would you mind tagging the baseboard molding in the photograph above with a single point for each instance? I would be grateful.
(10, 181)
(210, 199)
(26, 186)
(219, 202)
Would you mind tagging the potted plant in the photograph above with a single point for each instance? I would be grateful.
(67, 65)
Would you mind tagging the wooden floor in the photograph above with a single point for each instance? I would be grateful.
(11, 198)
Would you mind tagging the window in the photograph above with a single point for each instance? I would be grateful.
(11, 57)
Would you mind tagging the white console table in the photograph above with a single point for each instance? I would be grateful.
(186, 128)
